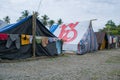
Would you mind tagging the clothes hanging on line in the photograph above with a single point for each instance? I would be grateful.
(38, 39)
(25, 39)
(3, 36)
(13, 38)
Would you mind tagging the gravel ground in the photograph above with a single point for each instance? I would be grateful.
(100, 65)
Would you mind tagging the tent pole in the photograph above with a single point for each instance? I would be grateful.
(93, 19)
(34, 32)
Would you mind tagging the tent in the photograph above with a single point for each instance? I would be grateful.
(78, 37)
(2, 24)
(25, 27)
(102, 40)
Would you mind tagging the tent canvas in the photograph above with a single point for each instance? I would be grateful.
(102, 40)
(25, 27)
(78, 37)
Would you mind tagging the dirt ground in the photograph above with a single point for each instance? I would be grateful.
(100, 65)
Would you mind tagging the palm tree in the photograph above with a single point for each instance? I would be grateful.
(51, 22)
(44, 20)
(37, 13)
(59, 21)
(7, 19)
(25, 14)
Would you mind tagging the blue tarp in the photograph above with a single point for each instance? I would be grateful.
(53, 28)
(11, 26)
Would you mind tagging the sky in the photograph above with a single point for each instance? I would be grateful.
(68, 10)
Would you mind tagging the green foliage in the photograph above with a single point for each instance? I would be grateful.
(7, 19)
(110, 23)
(44, 19)
(47, 22)
(111, 28)
(51, 22)
(25, 14)
(59, 21)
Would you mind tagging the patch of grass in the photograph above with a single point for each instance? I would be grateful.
(94, 77)
(113, 59)
(114, 73)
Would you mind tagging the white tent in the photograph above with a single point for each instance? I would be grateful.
(78, 36)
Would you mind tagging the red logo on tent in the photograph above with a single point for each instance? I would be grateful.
(68, 33)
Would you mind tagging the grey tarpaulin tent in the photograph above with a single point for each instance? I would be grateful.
(25, 27)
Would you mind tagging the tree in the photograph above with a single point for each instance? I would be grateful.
(110, 28)
(7, 19)
(37, 13)
(25, 14)
(118, 28)
(59, 21)
(51, 22)
(44, 20)
(110, 23)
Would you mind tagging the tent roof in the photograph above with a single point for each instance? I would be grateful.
(10, 26)
(24, 26)
(53, 27)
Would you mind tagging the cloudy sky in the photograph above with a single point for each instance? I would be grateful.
(67, 10)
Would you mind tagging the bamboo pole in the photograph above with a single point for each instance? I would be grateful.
(34, 32)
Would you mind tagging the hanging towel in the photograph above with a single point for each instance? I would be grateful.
(52, 39)
(44, 41)
(114, 40)
(59, 46)
(110, 39)
(38, 39)
(31, 38)
(3, 36)
(25, 39)
(13, 38)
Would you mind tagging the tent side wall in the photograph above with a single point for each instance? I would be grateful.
(14, 53)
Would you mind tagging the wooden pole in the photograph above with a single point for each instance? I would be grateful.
(34, 32)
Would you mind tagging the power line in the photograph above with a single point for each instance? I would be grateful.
(39, 5)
